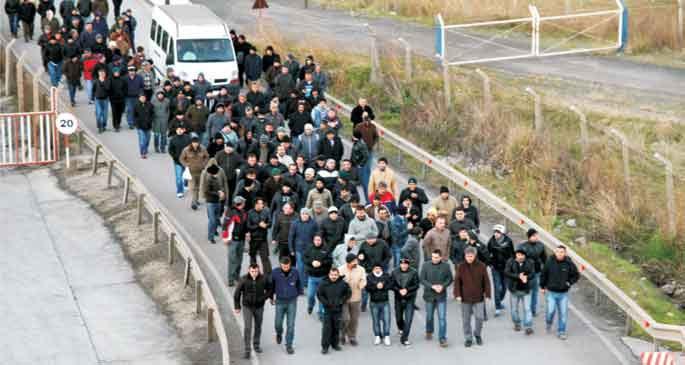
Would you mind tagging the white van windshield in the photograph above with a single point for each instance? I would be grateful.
(204, 50)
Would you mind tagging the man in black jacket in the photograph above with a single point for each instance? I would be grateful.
(254, 289)
(27, 15)
(373, 251)
(379, 284)
(405, 283)
(54, 55)
(177, 144)
(317, 262)
(118, 88)
(258, 223)
(143, 114)
(535, 251)
(101, 96)
(414, 193)
(357, 113)
(501, 249)
(333, 229)
(332, 293)
(12, 10)
(518, 270)
(558, 275)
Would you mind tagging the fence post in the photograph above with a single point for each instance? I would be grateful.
(8, 65)
(487, 93)
(155, 227)
(170, 248)
(21, 98)
(79, 141)
(186, 272)
(539, 118)
(375, 62)
(670, 198)
(198, 297)
(110, 172)
(210, 324)
(127, 189)
(681, 5)
(628, 325)
(140, 207)
(408, 69)
(96, 154)
(36, 90)
(583, 129)
(446, 84)
(626, 164)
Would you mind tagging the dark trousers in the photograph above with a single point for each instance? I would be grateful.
(283, 250)
(28, 30)
(332, 325)
(241, 74)
(404, 315)
(252, 319)
(260, 248)
(118, 107)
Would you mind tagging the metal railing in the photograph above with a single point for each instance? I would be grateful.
(196, 261)
(633, 311)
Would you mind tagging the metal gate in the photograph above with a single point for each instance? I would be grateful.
(28, 139)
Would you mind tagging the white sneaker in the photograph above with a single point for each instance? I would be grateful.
(179, 195)
(406, 343)
(377, 340)
(386, 341)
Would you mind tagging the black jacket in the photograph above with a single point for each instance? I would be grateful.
(357, 114)
(332, 295)
(500, 252)
(512, 271)
(143, 114)
(118, 89)
(379, 253)
(334, 151)
(405, 280)
(12, 7)
(258, 233)
(54, 52)
(559, 276)
(417, 202)
(100, 89)
(177, 144)
(333, 232)
(296, 122)
(321, 254)
(254, 292)
(378, 295)
(536, 253)
(27, 12)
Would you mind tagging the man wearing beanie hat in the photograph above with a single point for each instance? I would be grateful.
(229, 161)
(405, 283)
(194, 158)
(414, 193)
(196, 116)
(319, 193)
(535, 251)
(518, 271)
(333, 229)
(214, 190)
(355, 277)
(445, 203)
(300, 238)
(272, 185)
(501, 250)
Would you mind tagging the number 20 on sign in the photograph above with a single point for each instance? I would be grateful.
(67, 123)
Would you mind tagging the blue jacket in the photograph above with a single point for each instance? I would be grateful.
(398, 230)
(135, 86)
(287, 287)
(302, 234)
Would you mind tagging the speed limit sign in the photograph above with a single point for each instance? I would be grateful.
(67, 123)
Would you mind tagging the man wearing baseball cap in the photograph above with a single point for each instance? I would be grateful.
(501, 250)
(234, 229)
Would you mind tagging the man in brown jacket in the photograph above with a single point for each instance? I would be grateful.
(471, 288)
(438, 238)
(194, 158)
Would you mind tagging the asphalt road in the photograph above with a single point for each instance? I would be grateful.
(502, 344)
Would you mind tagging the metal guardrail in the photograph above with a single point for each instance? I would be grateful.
(196, 261)
(659, 331)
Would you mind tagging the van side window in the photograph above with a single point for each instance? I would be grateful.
(153, 30)
(170, 54)
(158, 38)
(165, 39)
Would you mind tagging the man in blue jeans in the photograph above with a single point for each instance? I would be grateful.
(12, 10)
(300, 238)
(535, 251)
(234, 229)
(517, 271)
(558, 275)
(378, 284)
(135, 88)
(435, 277)
(214, 189)
(178, 142)
(287, 287)
(317, 261)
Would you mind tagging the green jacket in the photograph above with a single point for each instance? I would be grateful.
(432, 274)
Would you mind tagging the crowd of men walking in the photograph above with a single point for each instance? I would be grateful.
(268, 164)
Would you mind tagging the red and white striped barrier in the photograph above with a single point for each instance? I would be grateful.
(657, 358)
(28, 139)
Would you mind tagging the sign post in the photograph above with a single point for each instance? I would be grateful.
(67, 124)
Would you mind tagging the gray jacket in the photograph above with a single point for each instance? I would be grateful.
(360, 229)
(215, 123)
(160, 122)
